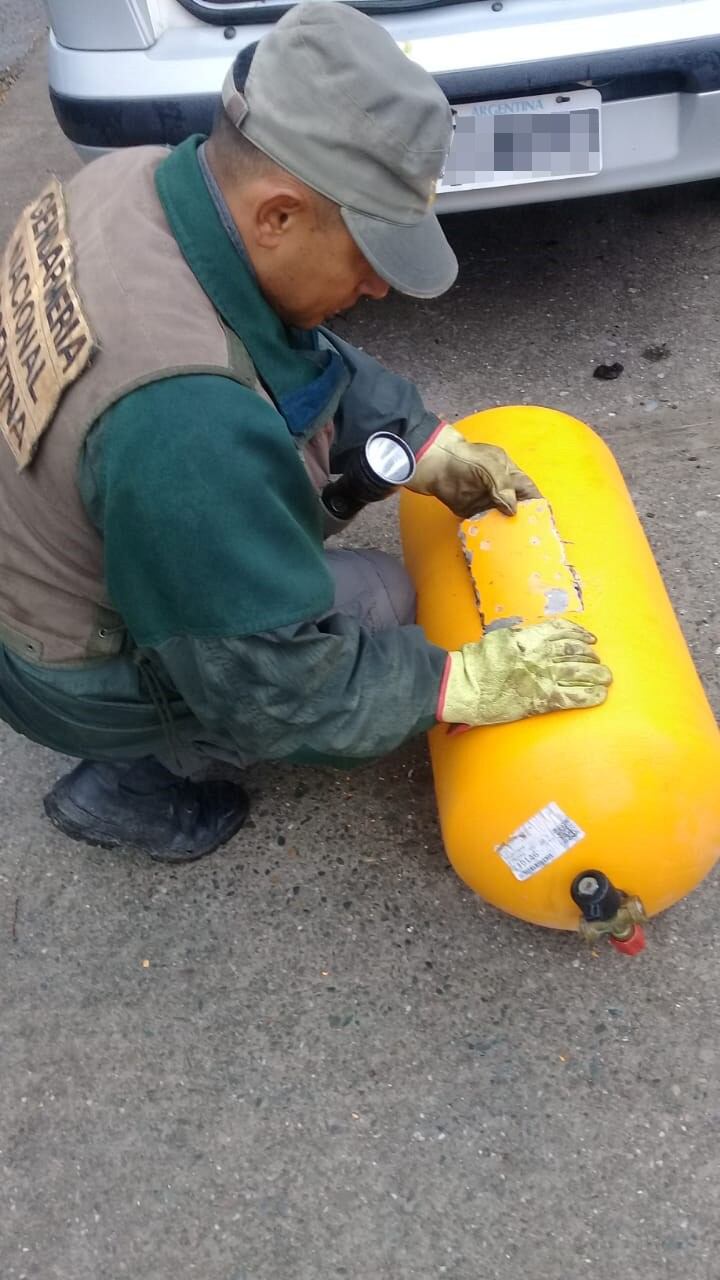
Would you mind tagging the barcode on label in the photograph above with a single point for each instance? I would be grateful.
(566, 830)
(543, 838)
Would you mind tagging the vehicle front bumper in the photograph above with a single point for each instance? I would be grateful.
(660, 101)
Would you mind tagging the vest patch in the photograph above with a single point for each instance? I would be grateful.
(45, 340)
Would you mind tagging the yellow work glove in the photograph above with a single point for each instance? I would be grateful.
(469, 477)
(523, 671)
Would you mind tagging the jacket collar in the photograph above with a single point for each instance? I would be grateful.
(305, 383)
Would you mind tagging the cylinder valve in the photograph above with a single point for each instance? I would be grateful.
(608, 912)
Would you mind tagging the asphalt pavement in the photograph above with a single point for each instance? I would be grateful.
(316, 1054)
(21, 22)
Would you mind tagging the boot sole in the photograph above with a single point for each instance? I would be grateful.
(75, 831)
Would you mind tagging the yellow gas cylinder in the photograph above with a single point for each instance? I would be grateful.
(592, 819)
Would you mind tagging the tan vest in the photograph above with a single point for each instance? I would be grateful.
(136, 313)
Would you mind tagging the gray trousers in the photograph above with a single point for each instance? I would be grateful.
(372, 587)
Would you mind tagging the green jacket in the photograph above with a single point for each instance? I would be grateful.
(213, 546)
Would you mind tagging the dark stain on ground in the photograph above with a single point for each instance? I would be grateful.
(654, 354)
(608, 372)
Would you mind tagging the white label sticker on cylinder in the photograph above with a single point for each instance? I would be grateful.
(542, 839)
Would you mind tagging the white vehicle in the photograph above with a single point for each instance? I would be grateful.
(553, 98)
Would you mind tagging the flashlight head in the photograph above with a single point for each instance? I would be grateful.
(372, 473)
(389, 459)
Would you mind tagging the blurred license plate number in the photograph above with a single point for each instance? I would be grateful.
(533, 139)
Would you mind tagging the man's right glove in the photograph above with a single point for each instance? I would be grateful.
(469, 477)
(523, 671)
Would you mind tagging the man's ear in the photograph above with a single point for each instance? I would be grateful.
(277, 214)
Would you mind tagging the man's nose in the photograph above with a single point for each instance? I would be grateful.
(374, 286)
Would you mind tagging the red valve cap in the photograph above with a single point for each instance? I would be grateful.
(633, 945)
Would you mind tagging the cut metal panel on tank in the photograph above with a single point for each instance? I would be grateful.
(638, 776)
(523, 573)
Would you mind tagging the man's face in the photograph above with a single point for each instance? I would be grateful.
(308, 265)
(324, 273)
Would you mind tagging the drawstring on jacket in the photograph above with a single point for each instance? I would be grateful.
(155, 690)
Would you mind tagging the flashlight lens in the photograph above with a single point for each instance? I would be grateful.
(389, 458)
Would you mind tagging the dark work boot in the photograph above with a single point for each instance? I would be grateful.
(141, 804)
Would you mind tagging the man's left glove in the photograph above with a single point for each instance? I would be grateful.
(469, 477)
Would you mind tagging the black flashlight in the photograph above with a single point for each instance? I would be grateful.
(374, 471)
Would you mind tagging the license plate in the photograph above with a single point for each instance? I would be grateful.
(533, 139)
